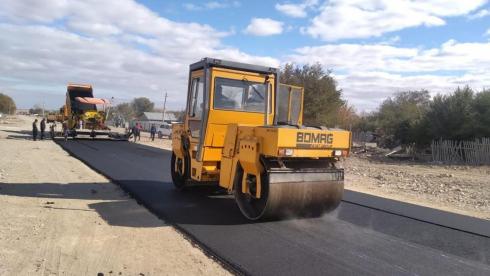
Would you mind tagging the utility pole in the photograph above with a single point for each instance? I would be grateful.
(43, 109)
(164, 104)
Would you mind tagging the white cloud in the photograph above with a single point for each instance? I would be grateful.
(192, 7)
(125, 50)
(487, 33)
(367, 89)
(391, 40)
(341, 19)
(369, 73)
(19, 11)
(480, 14)
(122, 48)
(264, 27)
(292, 10)
(296, 10)
(212, 5)
(449, 56)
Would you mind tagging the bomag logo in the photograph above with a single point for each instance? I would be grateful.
(313, 140)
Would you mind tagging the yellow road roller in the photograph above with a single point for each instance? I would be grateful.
(243, 132)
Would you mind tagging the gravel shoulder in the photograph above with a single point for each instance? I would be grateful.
(459, 189)
(60, 217)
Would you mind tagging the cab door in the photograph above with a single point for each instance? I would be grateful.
(195, 108)
(289, 102)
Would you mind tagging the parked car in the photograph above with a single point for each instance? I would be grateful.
(164, 130)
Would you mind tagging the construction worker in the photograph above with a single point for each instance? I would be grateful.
(43, 128)
(65, 130)
(34, 130)
(153, 131)
(134, 132)
(140, 128)
(51, 130)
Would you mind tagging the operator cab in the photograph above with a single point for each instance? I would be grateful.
(223, 92)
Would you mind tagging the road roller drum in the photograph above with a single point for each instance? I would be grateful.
(293, 193)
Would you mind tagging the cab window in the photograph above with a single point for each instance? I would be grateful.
(196, 105)
(239, 95)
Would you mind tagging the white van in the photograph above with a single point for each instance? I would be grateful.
(164, 130)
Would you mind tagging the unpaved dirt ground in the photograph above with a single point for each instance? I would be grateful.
(58, 217)
(163, 143)
(459, 189)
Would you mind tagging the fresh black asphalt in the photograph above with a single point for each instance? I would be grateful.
(352, 240)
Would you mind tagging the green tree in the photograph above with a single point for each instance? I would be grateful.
(452, 116)
(7, 104)
(365, 122)
(481, 107)
(346, 117)
(322, 98)
(400, 118)
(412, 117)
(142, 104)
(125, 110)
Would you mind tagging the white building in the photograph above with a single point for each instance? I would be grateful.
(156, 118)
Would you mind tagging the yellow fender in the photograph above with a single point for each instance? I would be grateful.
(249, 158)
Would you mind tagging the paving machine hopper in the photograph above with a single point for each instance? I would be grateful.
(84, 114)
(243, 132)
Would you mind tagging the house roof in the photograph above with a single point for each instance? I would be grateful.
(157, 116)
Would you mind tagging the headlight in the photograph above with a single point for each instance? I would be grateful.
(286, 152)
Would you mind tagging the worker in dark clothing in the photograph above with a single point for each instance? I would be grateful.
(43, 128)
(65, 130)
(140, 128)
(153, 131)
(34, 130)
(134, 132)
(51, 130)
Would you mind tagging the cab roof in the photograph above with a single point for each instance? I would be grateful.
(76, 85)
(214, 62)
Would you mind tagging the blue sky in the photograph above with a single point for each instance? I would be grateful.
(128, 48)
(237, 17)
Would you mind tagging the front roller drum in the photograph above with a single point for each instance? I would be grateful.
(292, 193)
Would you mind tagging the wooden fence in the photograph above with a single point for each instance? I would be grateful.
(462, 152)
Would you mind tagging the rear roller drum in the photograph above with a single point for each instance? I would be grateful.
(289, 194)
(179, 168)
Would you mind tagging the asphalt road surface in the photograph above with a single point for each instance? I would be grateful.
(354, 239)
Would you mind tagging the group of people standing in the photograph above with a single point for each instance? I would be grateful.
(136, 132)
(42, 126)
(42, 129)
